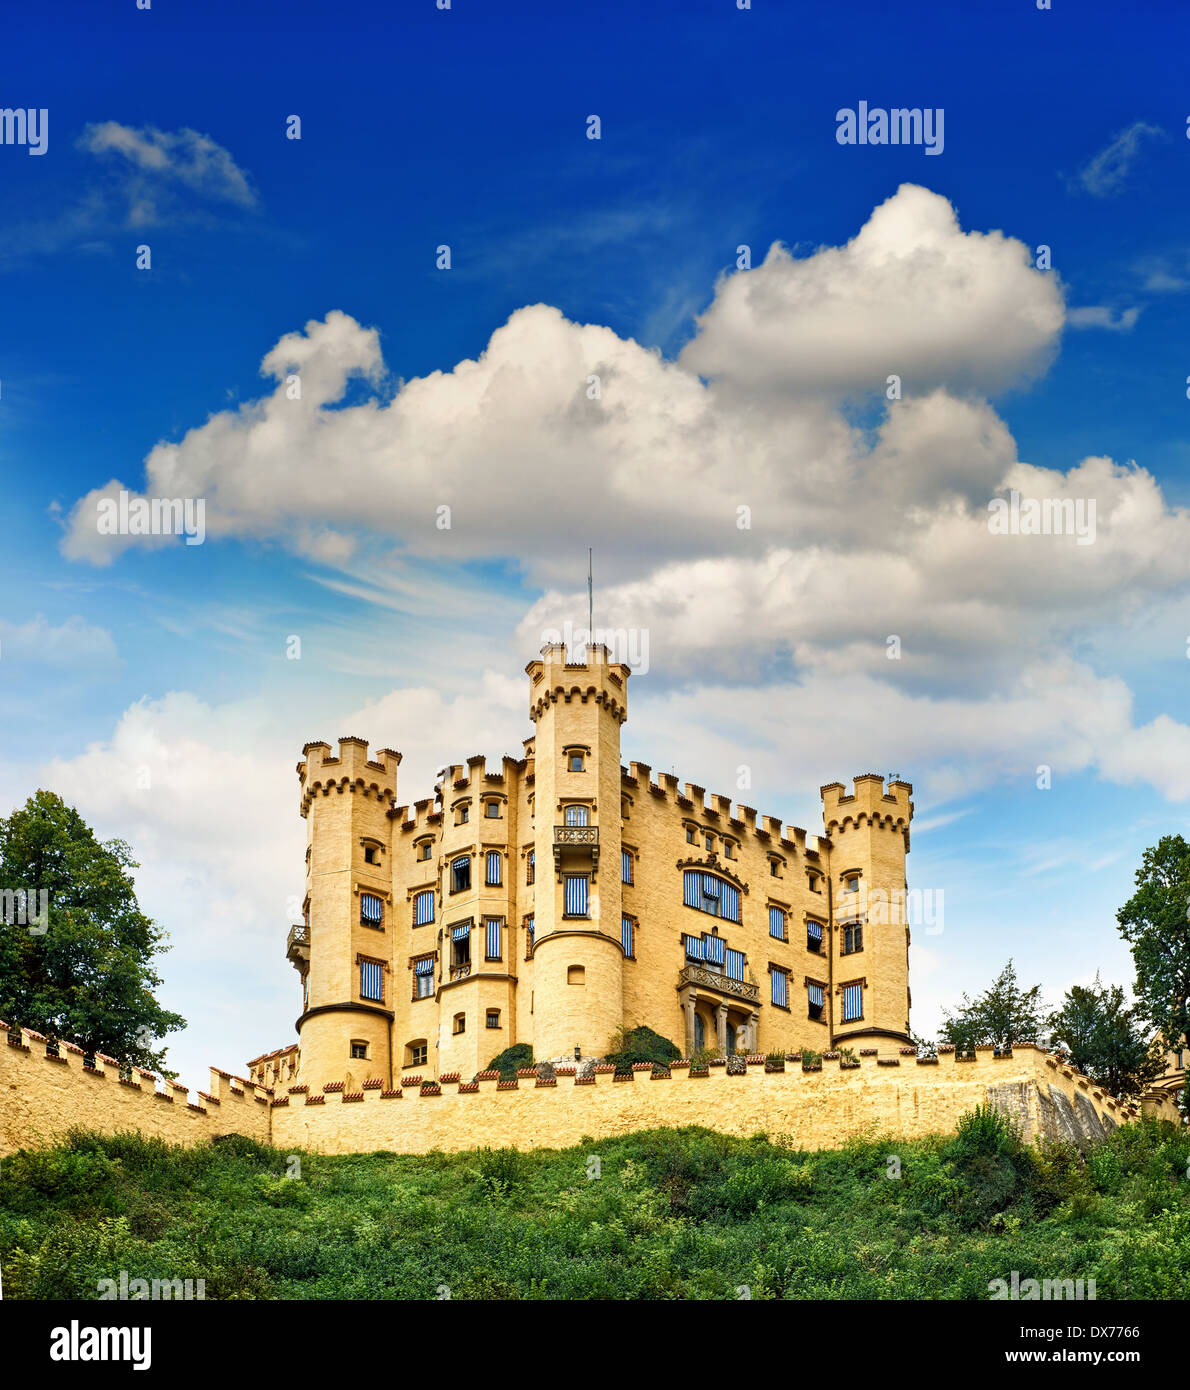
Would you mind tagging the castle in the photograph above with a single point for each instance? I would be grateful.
(564, 897)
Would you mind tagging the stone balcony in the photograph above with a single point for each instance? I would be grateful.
(297, 947)
(576, 842)
(707, 977)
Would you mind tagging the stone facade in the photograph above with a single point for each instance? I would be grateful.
(564, 896)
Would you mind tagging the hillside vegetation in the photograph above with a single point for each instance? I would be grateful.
(661, 1214)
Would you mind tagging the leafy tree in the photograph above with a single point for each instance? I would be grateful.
(83, 971)
(1002, 1015)
(1107, 1039)
(1155, 921)
(640, 1045)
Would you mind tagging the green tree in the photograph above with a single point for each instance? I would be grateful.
(641, 1044)
(1106, 1039)
(1155, 921)
(1002, 1015)
(83, 970)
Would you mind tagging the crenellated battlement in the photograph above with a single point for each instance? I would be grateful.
(868, 803)
(695, 803)
(322, 773)
(50, 1086)
(597, 678)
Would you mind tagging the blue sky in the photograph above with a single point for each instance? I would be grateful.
(468, 128)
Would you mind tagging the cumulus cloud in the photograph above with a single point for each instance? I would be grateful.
(911, 294)
(753, 527)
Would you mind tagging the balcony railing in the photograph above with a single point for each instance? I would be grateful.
(576, 837)
(297, 947)
(694, 973)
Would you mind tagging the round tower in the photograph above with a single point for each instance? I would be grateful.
(346, 1023)
(868, 833)
(578, 955)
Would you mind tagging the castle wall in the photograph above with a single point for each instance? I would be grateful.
(41, 1097)
(823, 1109)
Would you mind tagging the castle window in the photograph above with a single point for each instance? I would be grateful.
(460, 1025)
(575, 762)
(814, 1000)
(576, 815)
(851, 883)
(493, 1018)
(780, 988)
(691, 836)
(853, 938)
(576, 895)
(775, 867)
(425, 849)
(530, 867)
(728, 850)
(417, 1054)
(627, 935)
(460, 874)
(576, 974)
(423, 977)
(371, 910)
(814, 880)
(733, 964)
(814, 937)
(423, 907)
(492, 933)
(710, 894)
(529, 929)
(460, 946)
(493, 876)
(853, 1002)
(708, 843)
(492, 810)
(777, 922)
(359, 1051)
(625, 866)
(463, 814)
(371, 854)
(371, 981)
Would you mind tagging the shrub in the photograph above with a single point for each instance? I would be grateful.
(639, 1045)
(511, 1060)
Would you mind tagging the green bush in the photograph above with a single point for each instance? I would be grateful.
(640, 1045)
(510, 1060)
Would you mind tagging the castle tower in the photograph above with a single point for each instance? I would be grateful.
(346, 1024)
(578, 956)
(869, 839)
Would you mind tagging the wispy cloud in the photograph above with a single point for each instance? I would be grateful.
(1106, 174)
(1100, 316)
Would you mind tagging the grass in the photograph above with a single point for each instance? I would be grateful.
(663, 1214)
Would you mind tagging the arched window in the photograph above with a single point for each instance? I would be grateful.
(493, 876)
(709, 893)
(700, 1033)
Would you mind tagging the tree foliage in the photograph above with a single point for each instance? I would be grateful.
(1002, 1015)
(83, 971)
(1106, 1039)
(1155, 921)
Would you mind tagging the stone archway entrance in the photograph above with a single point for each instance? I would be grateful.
(720, 1013)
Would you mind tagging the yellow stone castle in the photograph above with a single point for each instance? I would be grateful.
(564, 897)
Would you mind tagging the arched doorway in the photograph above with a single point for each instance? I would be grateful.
(700, 1033)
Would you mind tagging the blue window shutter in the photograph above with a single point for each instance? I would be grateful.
(710, 885)
(734, 964)
(729, 902)
(780, 988)
(576, 895)
(814, 930)
(493, 875)
(423, 908)
(853, 1005)
(815, 993)
(371, 980)
(626, 934)
(529, 928)
(625, 866)
(371, 909)
(715, 948)
(425, 967)
(692, 888)
(461, 933)
(493, 938)
(695, 950)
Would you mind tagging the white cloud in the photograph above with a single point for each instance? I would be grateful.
(73, 644)
(1107, 172)
(1100, 316)
(911, 294)
(157, 159)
